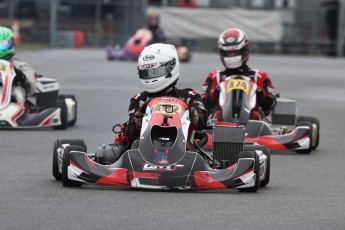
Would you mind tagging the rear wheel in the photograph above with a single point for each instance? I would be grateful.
(253, 155)
(72, 122)
(316, 128)
(65, 163)
(58, 143)
(265, 151)
(63, 114)
(311, 137)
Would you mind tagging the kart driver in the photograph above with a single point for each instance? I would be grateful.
(159, 71)
(158, 35)
(234, 50)
(25, 76)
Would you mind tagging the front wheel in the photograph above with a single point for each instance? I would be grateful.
(315, 128)
(65, 163)
(253, 155)
(310, 135)
(56, 173)
(265, 151)
(56, 158)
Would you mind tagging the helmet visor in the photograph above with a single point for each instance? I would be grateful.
(6, 45)
(149, 71)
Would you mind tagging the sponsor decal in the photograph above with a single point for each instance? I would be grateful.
(167, 109)
(48, 86)
(168, 98)
(2, 67)
(236, 47)
(148, 66)
(148, 57)
(152, 167)
(161, 157)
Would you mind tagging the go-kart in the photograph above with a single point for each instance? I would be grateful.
(169, 156)
(44, 109)
(136, 44)
(282, 130)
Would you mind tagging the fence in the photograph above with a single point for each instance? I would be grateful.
(101, 21)
(97, 23)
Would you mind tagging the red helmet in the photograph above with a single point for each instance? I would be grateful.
(234, 48)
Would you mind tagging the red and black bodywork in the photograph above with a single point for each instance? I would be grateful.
(260, 133)
(236, 102)
(162, 160)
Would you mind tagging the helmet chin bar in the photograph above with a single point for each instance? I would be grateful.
(233, 62)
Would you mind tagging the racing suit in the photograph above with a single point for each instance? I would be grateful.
(132, 130)
(158, 35)
(24, 83)
(266, 97)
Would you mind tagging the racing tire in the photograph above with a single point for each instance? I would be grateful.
(63, 114)
(252, 154)
(109, 58)
(310, 134)
(65, 163)
(56, 173)
(71, 96)
(72, 122)
(267, 152)
(77, 142)
(58, 143)
(316, 128)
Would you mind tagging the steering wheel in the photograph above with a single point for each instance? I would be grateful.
(201, 136)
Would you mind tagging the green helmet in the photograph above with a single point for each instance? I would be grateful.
(6, 43)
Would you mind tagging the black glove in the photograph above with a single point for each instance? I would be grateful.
(193, 115)
(138, 118)
(216, 93)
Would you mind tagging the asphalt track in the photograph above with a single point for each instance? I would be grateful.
(305, 191)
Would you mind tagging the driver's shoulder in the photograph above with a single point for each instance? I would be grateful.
(188, 92)
(257, 72)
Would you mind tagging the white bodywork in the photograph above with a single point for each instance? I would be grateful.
(11, 111)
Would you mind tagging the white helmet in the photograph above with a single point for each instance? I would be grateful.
(233, 41)
(158, 67)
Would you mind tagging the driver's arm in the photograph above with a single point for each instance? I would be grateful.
(196, 102)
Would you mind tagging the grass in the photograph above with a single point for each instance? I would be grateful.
(31, 47)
